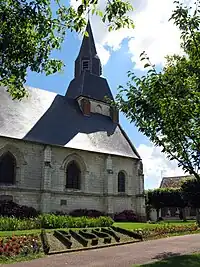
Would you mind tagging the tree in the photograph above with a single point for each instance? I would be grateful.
(153, 200)
(165, 106)
(191, 194)
(166, 197)
(30, 31)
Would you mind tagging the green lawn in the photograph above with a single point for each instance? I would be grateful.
(132, 226)
(177, 261)
(15, 259)
(128, 225)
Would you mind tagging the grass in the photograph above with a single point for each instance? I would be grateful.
(176, 261)
(126, 225)
(132, 226)
(19, 258)
(182, 261)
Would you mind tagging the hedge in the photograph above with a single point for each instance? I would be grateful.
(111, 233)
(128, 233)
(12, 209)
(64, 237)
(105, 236)
(79, 238)
(89, 236)
(45, 243)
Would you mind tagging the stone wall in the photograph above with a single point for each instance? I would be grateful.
(41, 179)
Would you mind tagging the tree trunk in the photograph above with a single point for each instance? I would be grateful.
(157, 211)
(198, 216)
(184, 215)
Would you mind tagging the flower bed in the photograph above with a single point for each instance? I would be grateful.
(51, 221)
(19, 245)
(88, 238)
(166, 229)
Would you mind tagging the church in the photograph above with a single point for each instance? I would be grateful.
(65, 152)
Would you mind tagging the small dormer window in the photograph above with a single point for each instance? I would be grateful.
(85, 65)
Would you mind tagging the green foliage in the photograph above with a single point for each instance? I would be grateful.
(50, 221)
(45, 243)
(11, 224)
(64, 238)
(111, 233)
(191, 192)
(79, 238)
(165, 106)
(166, 197)
(129, 233)
(30, 31)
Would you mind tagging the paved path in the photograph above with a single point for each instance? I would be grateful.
(120, 256)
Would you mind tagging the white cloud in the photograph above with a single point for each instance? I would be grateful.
(103, 53)
(156, 165)
(153, 32)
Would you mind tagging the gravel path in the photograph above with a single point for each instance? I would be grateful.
(120, 256)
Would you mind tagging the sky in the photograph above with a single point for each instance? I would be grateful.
(119, 52)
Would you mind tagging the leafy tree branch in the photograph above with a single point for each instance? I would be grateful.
(165, 106)
(31, 29)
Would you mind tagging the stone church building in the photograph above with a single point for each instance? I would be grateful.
(60, 153)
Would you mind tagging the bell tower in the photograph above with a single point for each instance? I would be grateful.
(88, 59)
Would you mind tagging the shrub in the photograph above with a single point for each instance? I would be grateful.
(45, 243)
(107, 240)
(89, 236)
(12, 209)
(51, 221)
(65, 233)
(12, 224)
(86, 213)
(79, 238)
(126, 216)
(111, 233)
(64, 238)
(129, 233)
(105, 236)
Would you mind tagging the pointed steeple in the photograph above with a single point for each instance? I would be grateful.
(88, 59)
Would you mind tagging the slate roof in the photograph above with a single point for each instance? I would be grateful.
(50, 118)
(88, 47)
(173, 182)
(91, 86)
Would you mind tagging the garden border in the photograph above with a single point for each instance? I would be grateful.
(92, 247)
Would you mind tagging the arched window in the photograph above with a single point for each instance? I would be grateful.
(7, 168)
(98, 109)
(73, 174)
(121, 182)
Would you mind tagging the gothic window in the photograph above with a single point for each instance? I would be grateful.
(98, 109)
(121, 182)
(73, 176)
(7, 168)
(85, 65)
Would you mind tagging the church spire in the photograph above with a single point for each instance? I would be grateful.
(88, 59)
